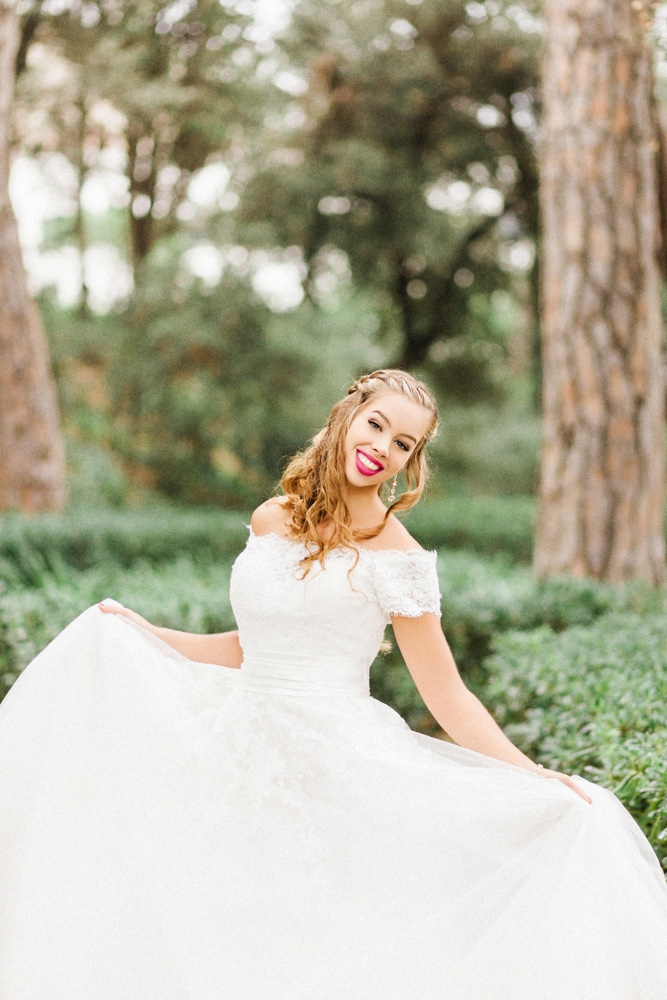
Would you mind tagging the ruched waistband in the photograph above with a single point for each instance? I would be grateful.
(286, 674)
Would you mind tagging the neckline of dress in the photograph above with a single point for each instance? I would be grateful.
(339, 550)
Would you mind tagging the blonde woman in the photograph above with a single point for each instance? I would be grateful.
(175, 828)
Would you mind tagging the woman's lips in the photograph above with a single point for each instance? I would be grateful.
(363, 469)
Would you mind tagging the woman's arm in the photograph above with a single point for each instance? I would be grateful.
(455, 708)
(221, 648)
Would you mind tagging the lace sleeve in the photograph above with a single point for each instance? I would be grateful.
(406, 583)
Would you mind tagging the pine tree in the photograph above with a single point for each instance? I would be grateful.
(602, 486)
(32, 468)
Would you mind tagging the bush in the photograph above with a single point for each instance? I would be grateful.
(480, 597)
(592, 701)
(589, 700)
(489, 449)
(486, 525)
(183, 595)
(484, 597)
(35, 549)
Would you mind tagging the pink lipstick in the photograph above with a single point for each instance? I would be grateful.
(365, 470)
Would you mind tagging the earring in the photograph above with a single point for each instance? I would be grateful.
(392, 495)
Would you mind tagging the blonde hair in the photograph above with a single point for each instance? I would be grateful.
(314, 482)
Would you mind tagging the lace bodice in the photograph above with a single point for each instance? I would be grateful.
(323, 632)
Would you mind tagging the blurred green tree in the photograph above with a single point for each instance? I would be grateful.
(200, 395)
(414, 155)
(383, 152)
(153, 84)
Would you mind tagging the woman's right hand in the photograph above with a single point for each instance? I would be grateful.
(111, 607)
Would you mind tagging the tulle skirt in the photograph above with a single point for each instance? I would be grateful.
(169, 832)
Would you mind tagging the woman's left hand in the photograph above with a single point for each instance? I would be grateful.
(110, 606)
(567, 780)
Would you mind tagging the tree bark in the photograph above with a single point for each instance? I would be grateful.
(602, 482)
(32, 467)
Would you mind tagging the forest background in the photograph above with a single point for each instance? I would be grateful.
(240, 219)
(229, 210)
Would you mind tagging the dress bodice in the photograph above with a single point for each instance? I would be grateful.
(322, 633)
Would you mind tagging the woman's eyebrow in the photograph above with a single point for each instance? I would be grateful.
(388, 423)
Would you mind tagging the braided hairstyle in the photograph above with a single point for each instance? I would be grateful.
(314, 481)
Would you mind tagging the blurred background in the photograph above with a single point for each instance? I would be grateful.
(227, 210)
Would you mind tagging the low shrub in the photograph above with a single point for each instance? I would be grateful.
(485, 597)
(35, 549)
(482, 597)
(584, 693)
(486, 525)
(591, 701)
(183, 595)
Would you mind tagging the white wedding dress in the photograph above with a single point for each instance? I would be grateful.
(179, 831)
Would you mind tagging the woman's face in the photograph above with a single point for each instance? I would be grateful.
(382, 437)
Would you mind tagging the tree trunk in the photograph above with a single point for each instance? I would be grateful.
(32, 468)
(602, 486)
(79, 219)
(142, 176)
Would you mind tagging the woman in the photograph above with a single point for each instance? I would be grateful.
(172, 827)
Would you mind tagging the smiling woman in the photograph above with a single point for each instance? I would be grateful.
(384, 436)
(376, 433)
(173, 827)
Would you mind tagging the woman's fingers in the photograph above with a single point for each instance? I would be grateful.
(567, 780)
(109, 606)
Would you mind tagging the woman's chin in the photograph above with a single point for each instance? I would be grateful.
(359, 483)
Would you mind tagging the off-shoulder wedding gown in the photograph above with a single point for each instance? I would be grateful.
(179, 831)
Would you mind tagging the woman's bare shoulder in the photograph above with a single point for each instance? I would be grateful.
(270, 517)
(395, 536)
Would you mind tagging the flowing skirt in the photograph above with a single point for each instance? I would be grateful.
(167, 832)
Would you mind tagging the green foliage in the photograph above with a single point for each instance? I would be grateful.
(35, 547)
(184, 595)
(166, 71)
(592, 701)
(199, 393)
(360, 147)
(410, 130)
(487, 525)
(573, 670)
(51, 548)
(485, 597)
(488, 450)
(483, 524)
(96, 479)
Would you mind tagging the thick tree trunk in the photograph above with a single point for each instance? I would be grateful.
(602, 486)
(32, 468)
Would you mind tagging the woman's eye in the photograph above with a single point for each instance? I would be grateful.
(401, 444)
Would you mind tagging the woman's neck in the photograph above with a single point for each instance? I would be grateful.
(365, 507)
